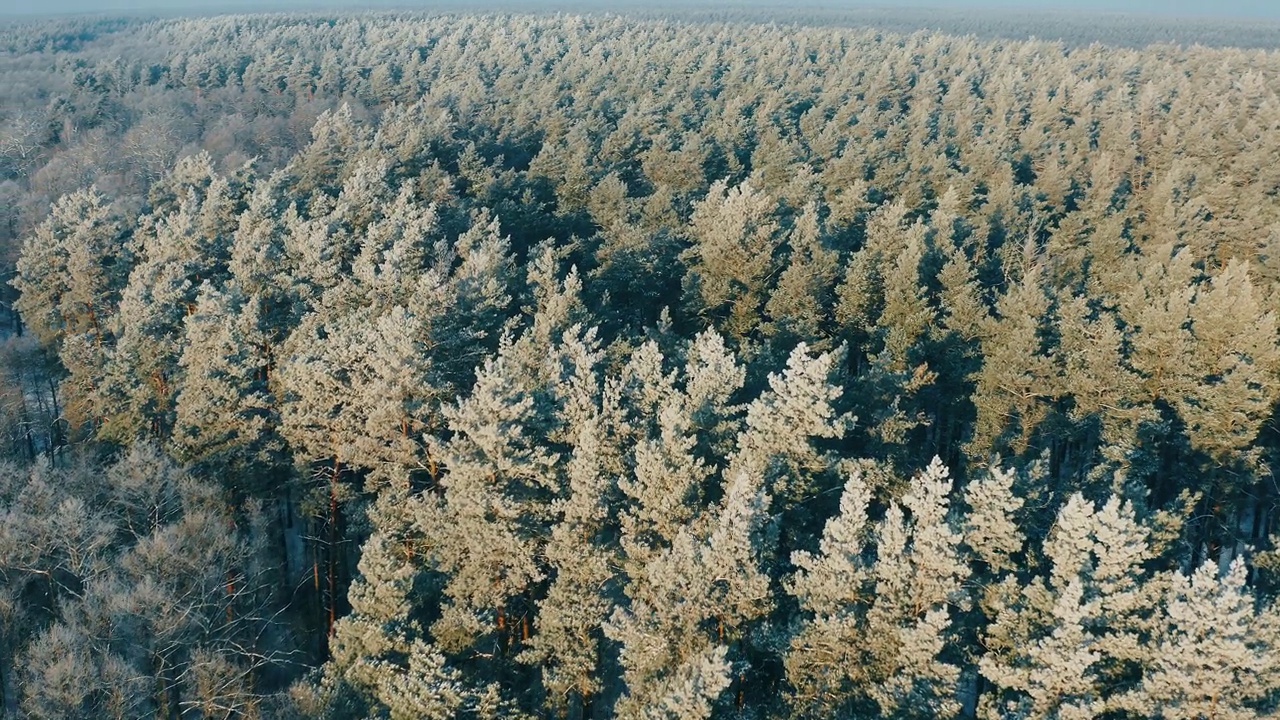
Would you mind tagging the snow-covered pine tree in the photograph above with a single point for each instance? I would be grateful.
(226, 417)
(879, 637)
(695, 600)
(177, 253)
(734, 237)
(501, 484)
(1070, 644)
(363, 377)
(1017, 378)
(69, 277)
(567, 643)
(384, 661)
(801, 301)
(1215, 650)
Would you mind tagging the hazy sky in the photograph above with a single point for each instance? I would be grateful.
(1221, 8)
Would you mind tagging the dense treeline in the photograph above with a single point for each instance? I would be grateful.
(480, 366)
(1073, 27)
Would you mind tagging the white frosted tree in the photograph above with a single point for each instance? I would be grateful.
(1215, 651)
(713, 377)
(568, 644)
(498, 487)
(703, 575)
(1203, 346)
(666, 485)
(734, 237)
(226, 415)
(364, 378)
(890, 391)
(801, 301)
(161, 592)
(554, 305)
(1233, 368)
(830, 586)
(323, 237)
(69, 276)
(383, 659)
(178, 252)
(879, 630)
(692, 601)
(990, 527)
(781, 427)
(336, 138)
(470, 315)
(1067, 644)
(688, 691)
(1018, 378)
(72, 268)
(397, 248)
(258, 261)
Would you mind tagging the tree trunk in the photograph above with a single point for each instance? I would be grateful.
(167, 706)
(27, 424)
(503, 640)
(316, 604)
(293, 543)
(55, 430)
(8, 701)
(333, 548)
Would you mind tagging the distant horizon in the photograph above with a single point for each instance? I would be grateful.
(1169, 9)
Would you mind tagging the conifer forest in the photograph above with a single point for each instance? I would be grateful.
(533, 365)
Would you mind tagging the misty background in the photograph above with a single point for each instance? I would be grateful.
(1189, 8)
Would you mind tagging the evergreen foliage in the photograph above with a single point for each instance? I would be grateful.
(472, 366)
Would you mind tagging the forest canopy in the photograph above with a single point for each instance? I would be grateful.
(583, 366)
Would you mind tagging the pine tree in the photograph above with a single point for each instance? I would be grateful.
(258, 261)
(72, 268)
(879, 628)
(498, 491)
(713, 378)
(668, 480)
(335, 139)
(1214, 651)
(692, 599)
(467, 319)
(895, 378)
(179, 251)
(226, 415)
(828, 586)
(365, 377)
(69, 276)
(1233, 365)
(1070, 643)
(1017, 379)
(861, 294)
(800, 303)
(1200, 349)
(1106, 394)
(1158, 309)
(782, 425)
(734, 238)
(384, 660)
(322, 238)
(701, 576)
(395, 249)
(568, 644)
(990, 527)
